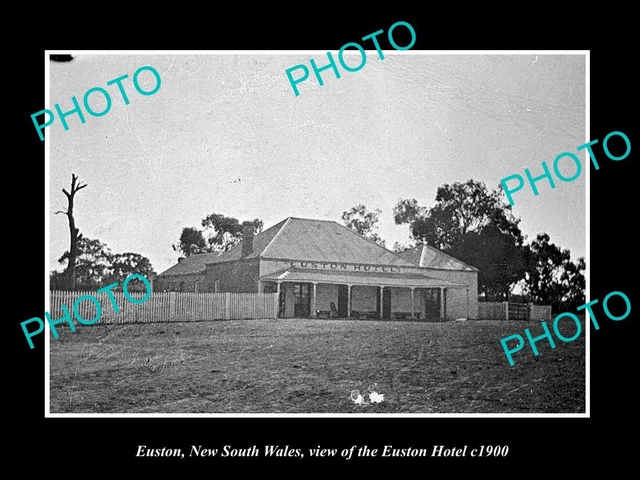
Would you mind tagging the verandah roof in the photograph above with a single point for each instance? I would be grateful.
(406, 280)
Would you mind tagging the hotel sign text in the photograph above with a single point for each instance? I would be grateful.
(346, 266)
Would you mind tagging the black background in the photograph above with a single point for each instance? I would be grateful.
(538, 445)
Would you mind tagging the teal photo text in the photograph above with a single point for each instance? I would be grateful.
(76, 312)
(570, 164)
(620, 299)
(302, 71)
(97, 92)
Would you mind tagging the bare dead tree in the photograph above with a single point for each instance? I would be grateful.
(70, 272)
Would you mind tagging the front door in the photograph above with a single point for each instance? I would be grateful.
(302, 294)
(386, 303)
(282, 303)
(343, 301)
(432, 304)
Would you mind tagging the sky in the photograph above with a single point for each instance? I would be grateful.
(226, 134)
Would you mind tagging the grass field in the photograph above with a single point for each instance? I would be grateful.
(312, 366)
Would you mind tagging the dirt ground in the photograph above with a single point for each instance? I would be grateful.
(312, 366)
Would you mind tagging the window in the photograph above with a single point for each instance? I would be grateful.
(301, 291)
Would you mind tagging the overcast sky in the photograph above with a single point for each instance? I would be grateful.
(226, 134)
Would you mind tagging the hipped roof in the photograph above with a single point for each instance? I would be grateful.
(304, 239)
(429, 257)
(196, 264)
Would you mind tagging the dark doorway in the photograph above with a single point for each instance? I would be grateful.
(343, 300)
(302, 307)
(386, 303)
(282, 303)
(432, 304)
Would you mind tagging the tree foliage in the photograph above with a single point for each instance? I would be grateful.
(475, 225)
(191, 242)
(223, 233)
(125, 264)
(93, 264)
(552, 278)
(97, 267)
(402, 247)
(407, 211)
(220, 233)
(364, 222)
(499, 259)
(460, 208)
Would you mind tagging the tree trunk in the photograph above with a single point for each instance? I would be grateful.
(70, 272)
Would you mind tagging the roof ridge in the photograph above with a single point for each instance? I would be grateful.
(313, 219)
(286, 222)
(437, 250)
(372, 242)
(422, 250)
(238, 246)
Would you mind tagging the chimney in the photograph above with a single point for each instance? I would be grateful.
(247, 240)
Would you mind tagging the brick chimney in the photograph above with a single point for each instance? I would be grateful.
(247, 240)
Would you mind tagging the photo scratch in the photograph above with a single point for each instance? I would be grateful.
(134, 132)
(200, 69)
(170, 66)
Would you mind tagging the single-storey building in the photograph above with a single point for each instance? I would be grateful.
(440, 265)
(320, 268)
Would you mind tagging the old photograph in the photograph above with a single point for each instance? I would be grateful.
(317, 233)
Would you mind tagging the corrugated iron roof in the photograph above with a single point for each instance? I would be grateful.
(320, 241)
(196, 264)
(327, 241)
(193, 264)
(429, 257)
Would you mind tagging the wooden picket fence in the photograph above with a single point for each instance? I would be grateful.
(513, 311)
(165, 306)
(540, 312)
(492, 311)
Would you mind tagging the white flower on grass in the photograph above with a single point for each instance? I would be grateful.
(356, 397)
(376, 397)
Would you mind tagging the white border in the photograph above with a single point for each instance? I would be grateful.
(47, 192)
(587, 273)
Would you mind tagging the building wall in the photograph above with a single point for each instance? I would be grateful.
(271, 266)
(290, 299)
(364, 299)
(240, 277)
(457, 297)
(401, 300)
(176, 283)
(326, 294)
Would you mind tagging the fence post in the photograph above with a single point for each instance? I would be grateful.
(172, 305)
(227, 305)
(506, 310)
